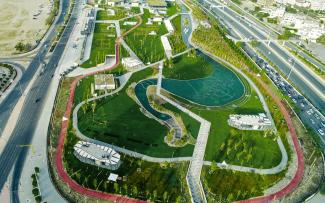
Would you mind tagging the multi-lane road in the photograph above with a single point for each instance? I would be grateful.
(302, 77)
(13, 155)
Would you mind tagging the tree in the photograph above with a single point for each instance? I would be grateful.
(213, 167)
(135, 190)
(165, 196)
(116, 187)
(230, 197)
(125, 187)
(93, 107)
(155, 194)
(20, 46)
(38, 199)
(95, 183)
(37, 170)
(178, 199)
(35, 192)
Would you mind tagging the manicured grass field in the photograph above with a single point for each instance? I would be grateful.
(119, 14)
(172, 8)
(228, 186)
(186, 67)
(176, 40)
(118, 120)
(103, 44)
(147, 47)
(259, 151)
(126, 27)
(192, 125)
(141, 179)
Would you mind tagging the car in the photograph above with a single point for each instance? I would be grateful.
(312, 121)
(321, 132)
(323, 124)
(37, 100)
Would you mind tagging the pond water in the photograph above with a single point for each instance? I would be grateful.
(220, 88)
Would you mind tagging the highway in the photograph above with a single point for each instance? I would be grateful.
(306, 56)
(311, 85)
(274, 34)
(10, 101)
(13, 155)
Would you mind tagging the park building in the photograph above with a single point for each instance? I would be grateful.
(104, 82)
(250, 122)
(167, 47)
(97, 155)
(169, 26)
(131, 63)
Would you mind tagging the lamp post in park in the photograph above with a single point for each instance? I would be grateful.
(293, 62)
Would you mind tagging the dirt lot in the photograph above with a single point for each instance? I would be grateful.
(22, 20)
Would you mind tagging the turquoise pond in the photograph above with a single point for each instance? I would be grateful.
(220, 88)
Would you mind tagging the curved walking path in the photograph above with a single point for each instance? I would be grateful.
(63, 133)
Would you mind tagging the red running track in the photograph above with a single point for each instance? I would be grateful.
(300, 169)
(64, 127)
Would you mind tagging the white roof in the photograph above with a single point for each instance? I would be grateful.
(112, 177)
(250, 119)
(168, 25)
(166, 43)
(97, 152)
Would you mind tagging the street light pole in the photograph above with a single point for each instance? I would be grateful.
(293, 65)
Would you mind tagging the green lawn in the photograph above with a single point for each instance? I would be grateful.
(141, 179)
(176, 40)
(229, 186)
(119, 14)
(172, 8)
(255, 150)
(147, 47)
(103, 44)
(188, 66)
(255, 144)
(125, 28)
(287, 34)
(118, 120)
(321, 39)
(192, 125)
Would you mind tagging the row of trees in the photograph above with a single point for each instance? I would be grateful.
(36, 190)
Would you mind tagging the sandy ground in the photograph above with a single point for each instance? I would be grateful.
(17, 23)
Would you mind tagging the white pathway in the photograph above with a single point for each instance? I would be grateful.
(194, 171)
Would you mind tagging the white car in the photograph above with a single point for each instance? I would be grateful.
(321, 132)
(312, 121)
